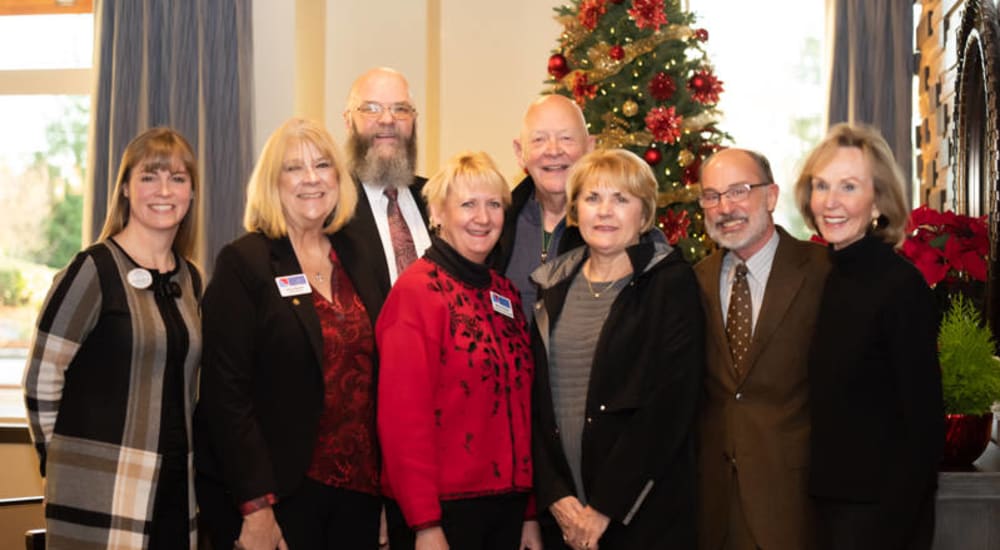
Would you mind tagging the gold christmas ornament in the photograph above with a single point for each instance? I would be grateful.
(630, 108)
(684, 157)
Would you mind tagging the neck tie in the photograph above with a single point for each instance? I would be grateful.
(402, 240)
(739, 318)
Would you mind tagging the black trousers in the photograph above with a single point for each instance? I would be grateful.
(482, 523)
(315, 516)
(170, 527)
(844, 525)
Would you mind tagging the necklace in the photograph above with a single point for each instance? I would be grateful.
(319, 277)
(597, 293)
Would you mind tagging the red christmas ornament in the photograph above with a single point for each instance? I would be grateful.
(652, 156)
(701, 34)
(662, 87)
(616, 52)
(705, 87)
(664, 124)
(648, 14)
(558, 67)
(692, 171)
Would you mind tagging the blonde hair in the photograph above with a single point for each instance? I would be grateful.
(473, 168)
(887, 178)
(617, 168)
(153, 150)
(263, 211)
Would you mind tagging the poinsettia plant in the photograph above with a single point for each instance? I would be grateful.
(946, 246)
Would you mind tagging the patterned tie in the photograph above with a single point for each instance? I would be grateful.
(402, 240)
(739, 320)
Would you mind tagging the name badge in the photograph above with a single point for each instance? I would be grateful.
(501, 304)
(139, 278)
(293, 285)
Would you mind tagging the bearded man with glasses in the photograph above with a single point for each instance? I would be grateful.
(389, 228)
(760, 292)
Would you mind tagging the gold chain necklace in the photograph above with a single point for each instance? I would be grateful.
(597, 293)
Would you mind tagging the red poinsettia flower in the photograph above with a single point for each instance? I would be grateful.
(664, 123)
(591, 12)
(946, 245)
(648, 14)
(929, 260)
(674, 225)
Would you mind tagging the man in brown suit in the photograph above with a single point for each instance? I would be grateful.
(754, 420)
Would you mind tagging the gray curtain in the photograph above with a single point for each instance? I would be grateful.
(872, 72)
(186, 64)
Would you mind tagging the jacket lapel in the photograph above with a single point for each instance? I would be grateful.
(717, 328)
(283, 262)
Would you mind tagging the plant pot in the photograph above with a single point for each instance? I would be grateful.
(966, 437)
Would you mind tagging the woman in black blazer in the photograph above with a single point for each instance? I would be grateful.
(874, 379)
(286, 450)
(619, 336)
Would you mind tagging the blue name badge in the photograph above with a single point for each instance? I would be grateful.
(501, 304)
(293, 285)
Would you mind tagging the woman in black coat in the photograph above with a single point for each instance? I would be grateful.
(875, 383)
(619, 353)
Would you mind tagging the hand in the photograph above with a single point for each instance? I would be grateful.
(592, 525)
(531, 536)
(383, 532)
(431, 538)
(566, 510)
(260, 532)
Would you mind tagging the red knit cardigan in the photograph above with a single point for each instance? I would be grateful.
(454, 391)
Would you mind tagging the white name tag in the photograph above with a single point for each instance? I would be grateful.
(139, 278)
(293, 285)
(501, 304)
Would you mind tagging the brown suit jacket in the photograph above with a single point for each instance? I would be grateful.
(754, 425)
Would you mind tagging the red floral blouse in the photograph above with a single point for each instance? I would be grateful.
(346, 455)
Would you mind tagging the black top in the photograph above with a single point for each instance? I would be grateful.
(875, 383)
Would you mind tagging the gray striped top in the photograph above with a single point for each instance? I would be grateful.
(571, 356)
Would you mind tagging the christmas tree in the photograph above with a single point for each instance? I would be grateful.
(640, 73)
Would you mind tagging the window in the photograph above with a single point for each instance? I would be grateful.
(775, 90)
(45, 66)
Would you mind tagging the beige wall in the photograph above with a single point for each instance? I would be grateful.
(473, 66)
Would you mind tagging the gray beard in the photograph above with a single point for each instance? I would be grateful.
(367, 166)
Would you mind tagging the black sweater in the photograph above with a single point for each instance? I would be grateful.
(875, 383)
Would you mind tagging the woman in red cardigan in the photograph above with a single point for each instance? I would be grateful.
(454, 390)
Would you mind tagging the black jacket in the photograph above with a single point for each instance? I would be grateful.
(519, 197)
(359, 241)
(638, 463)
(261, 392)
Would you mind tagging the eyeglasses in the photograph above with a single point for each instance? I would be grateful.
(736, 193)
(399, 111)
